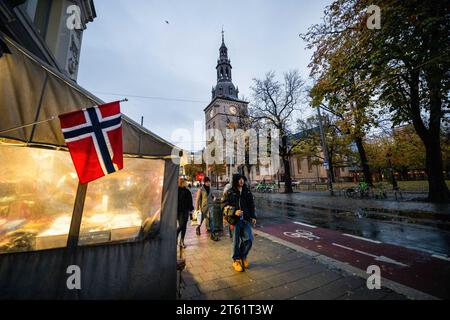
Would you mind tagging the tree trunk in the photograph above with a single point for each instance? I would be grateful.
(438, 190)
(364, 161)
(287, 176)
(331, 164)
(287, 166)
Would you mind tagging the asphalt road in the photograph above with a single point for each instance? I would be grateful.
(416, 269)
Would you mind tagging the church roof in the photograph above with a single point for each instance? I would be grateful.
(224, 87)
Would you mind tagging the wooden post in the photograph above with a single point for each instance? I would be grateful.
(75, 225)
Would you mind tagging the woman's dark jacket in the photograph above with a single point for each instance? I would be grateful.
(185, 203)
(240, 201)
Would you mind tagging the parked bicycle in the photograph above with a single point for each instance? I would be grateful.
(266, 188)
(362, 191)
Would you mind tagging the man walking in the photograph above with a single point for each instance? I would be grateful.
(205, 203)
(238, 207)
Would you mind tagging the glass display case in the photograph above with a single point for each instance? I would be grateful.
(118, 205)
(37, 194)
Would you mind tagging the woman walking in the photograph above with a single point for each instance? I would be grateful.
(185, 207)
(238, 207)
(205, 203)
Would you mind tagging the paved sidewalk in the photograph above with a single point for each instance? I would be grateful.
(276, 273)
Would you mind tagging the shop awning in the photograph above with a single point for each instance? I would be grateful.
(32, 91)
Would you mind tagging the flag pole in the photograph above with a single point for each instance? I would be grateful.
(39, 122)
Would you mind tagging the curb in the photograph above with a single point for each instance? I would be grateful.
(410, 293)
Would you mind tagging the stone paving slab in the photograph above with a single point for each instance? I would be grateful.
(276, 273)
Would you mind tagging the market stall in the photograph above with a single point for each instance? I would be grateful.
(120, 230)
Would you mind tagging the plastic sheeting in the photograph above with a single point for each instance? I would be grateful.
(37, 196)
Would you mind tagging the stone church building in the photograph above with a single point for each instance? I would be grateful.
(227, 111)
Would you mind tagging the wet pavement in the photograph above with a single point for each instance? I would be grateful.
(276, 272)
(420, 226)
(422, 271)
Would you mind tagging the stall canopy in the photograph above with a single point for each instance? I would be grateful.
(45, 93)
(126, 237)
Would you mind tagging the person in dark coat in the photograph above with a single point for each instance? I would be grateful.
(185, 207)
(240, 202)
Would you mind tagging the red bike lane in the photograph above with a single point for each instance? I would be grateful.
(413, 268)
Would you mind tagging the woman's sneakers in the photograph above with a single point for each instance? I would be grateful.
(246, 264)
(238, 266)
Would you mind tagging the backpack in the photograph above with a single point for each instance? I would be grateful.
(229, 216)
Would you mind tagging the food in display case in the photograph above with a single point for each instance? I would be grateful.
(38, 191)
(37, 188)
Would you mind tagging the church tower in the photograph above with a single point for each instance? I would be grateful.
(225, 87)
(226, 110)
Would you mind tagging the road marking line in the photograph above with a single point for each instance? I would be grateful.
(361, 238)
(367, 254)
(377, 258)
(441, 257)
(305, 225)
(343, 247)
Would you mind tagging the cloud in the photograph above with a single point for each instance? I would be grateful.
(129, 49)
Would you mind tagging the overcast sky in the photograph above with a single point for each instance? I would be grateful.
(130, 50)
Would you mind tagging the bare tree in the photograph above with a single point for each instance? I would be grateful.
(275, 103)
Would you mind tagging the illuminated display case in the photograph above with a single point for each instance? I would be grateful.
(37, 195)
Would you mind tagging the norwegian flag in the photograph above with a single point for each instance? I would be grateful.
(94, 139)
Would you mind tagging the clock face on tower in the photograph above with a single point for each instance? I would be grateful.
(233, 110)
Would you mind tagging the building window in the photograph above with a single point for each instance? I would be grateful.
(39, 13)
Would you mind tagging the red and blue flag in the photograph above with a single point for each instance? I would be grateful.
(94, 139)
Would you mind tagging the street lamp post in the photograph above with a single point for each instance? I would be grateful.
(325, 152)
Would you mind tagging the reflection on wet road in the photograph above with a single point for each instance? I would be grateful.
(379, 227)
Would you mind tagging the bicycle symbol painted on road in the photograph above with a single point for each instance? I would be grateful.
(302, 234)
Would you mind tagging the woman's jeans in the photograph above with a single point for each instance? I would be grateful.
(242, 240)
